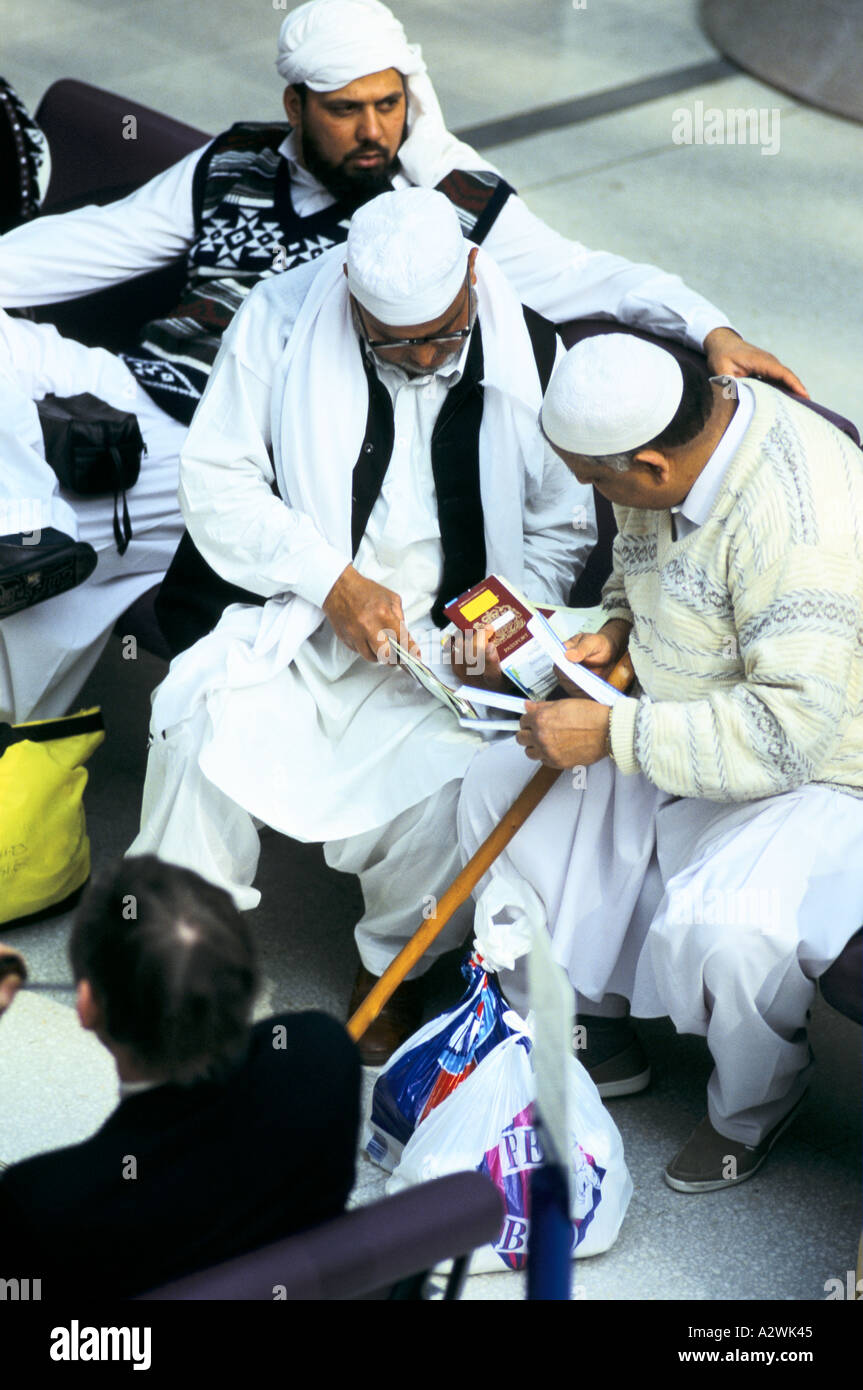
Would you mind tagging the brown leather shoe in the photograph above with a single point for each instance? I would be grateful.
(400, 1016)
(708, 1162)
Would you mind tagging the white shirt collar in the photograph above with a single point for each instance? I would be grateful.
(134, 1088)
(307, 194)
(698, 503)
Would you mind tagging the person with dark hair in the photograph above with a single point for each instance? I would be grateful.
(689, 420)
(709, 840)
(228, 1135)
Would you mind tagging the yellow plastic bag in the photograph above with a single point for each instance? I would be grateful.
(44, 849)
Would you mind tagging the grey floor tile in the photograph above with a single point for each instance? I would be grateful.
(58, 1083)
(641, 132)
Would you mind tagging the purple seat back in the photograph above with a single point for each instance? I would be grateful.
(104, 145)
(361, 1254)
(846, 426)
(94, 161)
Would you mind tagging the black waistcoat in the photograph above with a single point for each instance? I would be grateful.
(455, 466)
(193, 597)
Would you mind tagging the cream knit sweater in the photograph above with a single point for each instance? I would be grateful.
(747, 635)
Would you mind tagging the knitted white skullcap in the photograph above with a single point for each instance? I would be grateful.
(328, 43)
(610, 394)
(406, 256)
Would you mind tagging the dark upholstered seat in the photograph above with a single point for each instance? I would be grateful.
(382, 1251)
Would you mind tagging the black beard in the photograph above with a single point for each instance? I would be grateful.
(353, 187)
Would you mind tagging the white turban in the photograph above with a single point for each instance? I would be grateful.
(610, 394)
(328, 43)
(406, 256)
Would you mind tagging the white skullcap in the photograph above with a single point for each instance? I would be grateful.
(406, 256)
(328, 43)
(610, 394)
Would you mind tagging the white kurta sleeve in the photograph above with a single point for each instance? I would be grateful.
(241, 527)
(564, 280)
(559, 531)
(62, 257)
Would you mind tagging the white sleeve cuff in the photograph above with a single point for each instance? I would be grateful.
(321, 569)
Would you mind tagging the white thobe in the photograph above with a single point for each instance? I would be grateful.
(720, 917)
(330, 747)
(47, 651)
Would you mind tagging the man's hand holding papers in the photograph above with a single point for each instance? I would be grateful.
(362, 613)
(575, 732)
(474, 659)
(598, 651)
(565, 733)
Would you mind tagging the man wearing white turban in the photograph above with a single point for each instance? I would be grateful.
(257, 200)
(703, 858)
(366, 450)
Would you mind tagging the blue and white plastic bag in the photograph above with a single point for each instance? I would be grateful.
(487, 1124)
(433, 1062)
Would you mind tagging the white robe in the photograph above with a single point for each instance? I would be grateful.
(298, 731)
(47, 651)
(720, 916)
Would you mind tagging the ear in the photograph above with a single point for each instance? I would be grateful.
(471, 261)
(89, 1013)
(293, 107)
(660, 467)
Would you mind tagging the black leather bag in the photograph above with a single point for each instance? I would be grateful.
(94, 450)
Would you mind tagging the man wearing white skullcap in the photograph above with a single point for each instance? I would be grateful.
(702, 859)
(259, 199)
(367, 450)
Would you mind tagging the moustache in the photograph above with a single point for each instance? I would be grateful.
(366, 149)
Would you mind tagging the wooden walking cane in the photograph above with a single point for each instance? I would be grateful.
(462, 886)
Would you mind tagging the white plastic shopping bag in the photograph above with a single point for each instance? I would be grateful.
(487, 1124)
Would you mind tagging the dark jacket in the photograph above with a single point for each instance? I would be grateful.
(219, 1168)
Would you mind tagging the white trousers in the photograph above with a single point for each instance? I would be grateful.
(403, 866)
(48, 651)
(720, 916)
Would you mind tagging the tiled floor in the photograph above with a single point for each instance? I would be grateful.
(776, 241)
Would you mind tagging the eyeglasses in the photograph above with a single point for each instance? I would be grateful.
(458, 335)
